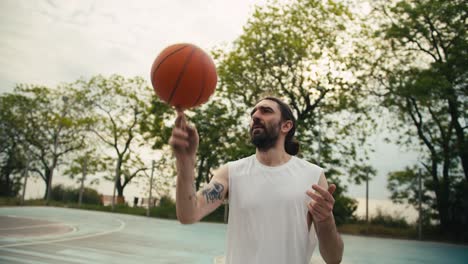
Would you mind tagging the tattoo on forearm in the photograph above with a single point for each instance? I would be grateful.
(213, 193)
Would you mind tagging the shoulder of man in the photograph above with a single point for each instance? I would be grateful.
(241, 161)
(309, 164)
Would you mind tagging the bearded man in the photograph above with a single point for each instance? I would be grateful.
(280, 205)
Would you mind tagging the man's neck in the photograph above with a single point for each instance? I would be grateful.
(272, 157)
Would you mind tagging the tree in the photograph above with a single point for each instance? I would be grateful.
(219, 139)
(159, 182)
(303, 52)
(12, 154)
(120, 106)
(52, 127)
(85, 164)
(218, 130)
(404, 187)
(422, 72)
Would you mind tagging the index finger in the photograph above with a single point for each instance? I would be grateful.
(325, 194)
(180, 120)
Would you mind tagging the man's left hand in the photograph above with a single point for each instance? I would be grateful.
(321, 206)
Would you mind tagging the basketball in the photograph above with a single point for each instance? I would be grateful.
(184, 76)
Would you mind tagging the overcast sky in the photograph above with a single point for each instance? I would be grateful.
(49, 42)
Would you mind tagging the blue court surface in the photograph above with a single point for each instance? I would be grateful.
(38, 235)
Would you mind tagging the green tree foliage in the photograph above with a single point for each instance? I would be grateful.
(422, 72)
(156, 123)
(163, 177)
(12, 153)
(218, 129)
(120, 106)
(404, 187)
(89, 161)
(52, 127)
(219, 143)
(303, 51)
(344, 208)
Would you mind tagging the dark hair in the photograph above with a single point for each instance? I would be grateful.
(291, 145)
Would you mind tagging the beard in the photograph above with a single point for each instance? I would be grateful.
(264, 137)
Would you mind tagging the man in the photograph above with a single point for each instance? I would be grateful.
(274, 197)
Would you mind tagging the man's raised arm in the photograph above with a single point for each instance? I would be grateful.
(192, 206)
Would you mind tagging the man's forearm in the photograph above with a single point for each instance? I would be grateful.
(330, 242)
(186, 197)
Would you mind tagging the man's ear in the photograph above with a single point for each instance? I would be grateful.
(286, 126)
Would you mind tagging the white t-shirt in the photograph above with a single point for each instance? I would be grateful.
(268, 212)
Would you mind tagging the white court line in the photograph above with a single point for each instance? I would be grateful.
(21, 260)
(48, 256)
(98, 251)
(27, 227)
(122, 226)
(72, 227)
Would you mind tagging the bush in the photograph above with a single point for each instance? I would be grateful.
(389, 220)
(165, 209)
(70, 195)
(8, 201)
(90, 196)
(215, 216)
(344, 209)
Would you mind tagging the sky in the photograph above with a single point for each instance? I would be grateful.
(51, 42)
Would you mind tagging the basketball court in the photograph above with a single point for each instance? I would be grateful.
(56, 235)
(36, 235)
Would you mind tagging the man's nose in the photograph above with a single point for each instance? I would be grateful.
(255, 119)
(256, 116)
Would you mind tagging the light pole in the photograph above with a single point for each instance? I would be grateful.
(117, 176)
(367, 203)
(151, 188)
(420, 206)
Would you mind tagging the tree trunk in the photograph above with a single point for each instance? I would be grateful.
(119, 189)
(7, 186)
(46, 180)
(117, 184)
(439, 193)
(461, 143)
(207, 172)
(49, 182)
(6, 172)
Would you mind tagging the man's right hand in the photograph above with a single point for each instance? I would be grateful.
(184, 139)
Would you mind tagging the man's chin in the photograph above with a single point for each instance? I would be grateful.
(257, 139)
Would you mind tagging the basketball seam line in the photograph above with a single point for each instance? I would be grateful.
(181, 74)
(170, 54)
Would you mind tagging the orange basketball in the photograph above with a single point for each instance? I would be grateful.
(184, 76)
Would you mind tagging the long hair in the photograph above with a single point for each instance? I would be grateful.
(291, 145)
